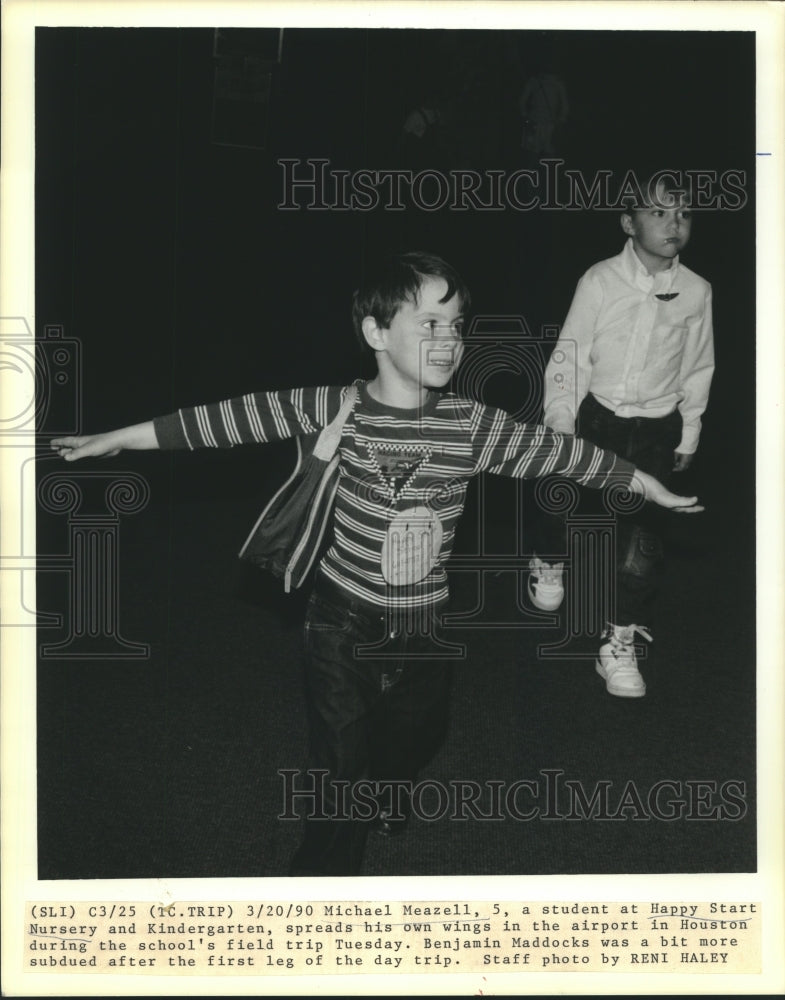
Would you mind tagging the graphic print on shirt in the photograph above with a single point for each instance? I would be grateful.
(411, 546)
(397, 465)
(414, 536)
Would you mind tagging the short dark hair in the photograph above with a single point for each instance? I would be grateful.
(669, 182)
(398, 279)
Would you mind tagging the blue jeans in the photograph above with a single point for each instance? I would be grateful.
(377, 696)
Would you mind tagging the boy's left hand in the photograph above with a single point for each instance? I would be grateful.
(681, 462)
(653, 490)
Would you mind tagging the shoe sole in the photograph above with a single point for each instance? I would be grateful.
(617, 692)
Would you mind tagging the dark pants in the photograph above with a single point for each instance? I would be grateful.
(649, 443)
(377, 695)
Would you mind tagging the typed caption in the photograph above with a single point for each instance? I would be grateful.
(258, 938)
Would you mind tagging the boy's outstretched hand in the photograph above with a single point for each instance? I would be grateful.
(652, 489)
(137, 437)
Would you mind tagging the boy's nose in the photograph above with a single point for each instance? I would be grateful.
(446, 332)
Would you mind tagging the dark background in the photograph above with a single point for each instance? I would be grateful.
(163, 252)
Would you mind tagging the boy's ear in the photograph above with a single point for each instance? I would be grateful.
(627, 224)
(373, 333)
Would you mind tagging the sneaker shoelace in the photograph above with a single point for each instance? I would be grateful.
(622, 638)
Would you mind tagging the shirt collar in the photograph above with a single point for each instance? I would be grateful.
(639, 274)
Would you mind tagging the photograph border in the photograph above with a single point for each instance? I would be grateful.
(18, 645)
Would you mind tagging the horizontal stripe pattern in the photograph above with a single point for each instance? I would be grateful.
(463, 438)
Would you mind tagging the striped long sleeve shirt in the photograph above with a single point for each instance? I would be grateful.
(392, 461)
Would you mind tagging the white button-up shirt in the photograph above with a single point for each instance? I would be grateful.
(639, 355)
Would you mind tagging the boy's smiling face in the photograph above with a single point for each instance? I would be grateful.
(659, 231)
(422, 346)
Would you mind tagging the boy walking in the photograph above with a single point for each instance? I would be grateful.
(376, 686)
(631, 372)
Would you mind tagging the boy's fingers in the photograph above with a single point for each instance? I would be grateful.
(74, 448)
(86, 450)
(685, 505)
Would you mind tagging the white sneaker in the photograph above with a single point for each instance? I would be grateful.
(617, 664)
(546, 590)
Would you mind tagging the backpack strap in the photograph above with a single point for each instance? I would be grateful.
(330, 437)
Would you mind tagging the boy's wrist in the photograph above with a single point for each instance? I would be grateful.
(641, 482)
(137, 437)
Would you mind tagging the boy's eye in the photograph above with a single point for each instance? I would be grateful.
(433, 326)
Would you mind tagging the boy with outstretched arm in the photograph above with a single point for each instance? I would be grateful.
(376, 687)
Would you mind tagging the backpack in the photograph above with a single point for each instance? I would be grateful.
(288, 536)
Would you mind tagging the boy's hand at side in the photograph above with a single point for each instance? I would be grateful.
(681, 462)
(138, 437)
(652, 489)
